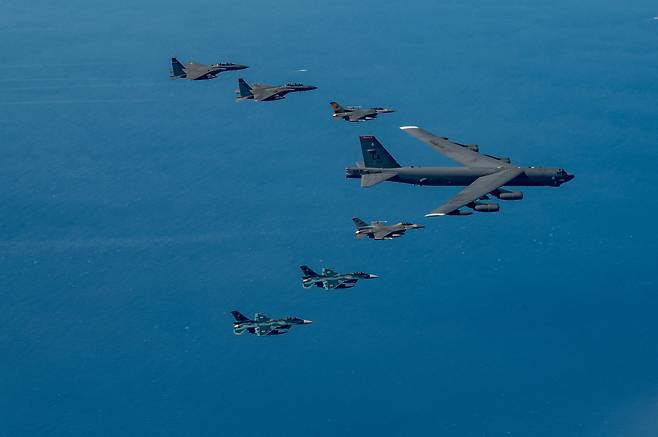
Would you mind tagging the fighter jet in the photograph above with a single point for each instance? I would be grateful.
(354, 113)
(263, 325)
(193, 71)
(380, 231)
(266, 93)
(330, 280)
(483, 175)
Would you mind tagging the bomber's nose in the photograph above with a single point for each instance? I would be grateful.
(240, 66)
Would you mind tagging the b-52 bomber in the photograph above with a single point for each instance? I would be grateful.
(330, 280)
(354, 114)
(193, 71)
(265, 93)
(380, 231)
(483, 175)
(262, 325)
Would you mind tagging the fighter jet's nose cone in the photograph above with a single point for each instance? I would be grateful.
(566, 178)
(373, 276)
(240, 67)
(311, 88)
(308, 322)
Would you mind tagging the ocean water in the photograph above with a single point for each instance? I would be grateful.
(136, 212)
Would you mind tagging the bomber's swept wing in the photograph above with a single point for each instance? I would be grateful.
(454, 151)
(482, 186)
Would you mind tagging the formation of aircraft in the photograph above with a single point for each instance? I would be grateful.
(193, 71)
(355, 114)
(331, 280)
(482, 175)
(263, 93)
(378, 230)
(262, 325)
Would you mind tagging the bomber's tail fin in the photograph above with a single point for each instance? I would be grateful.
(337, 108)
(375, 155)
(244, 90)
(239, 317)
(307, 271)
(177, 69)
(359, 223)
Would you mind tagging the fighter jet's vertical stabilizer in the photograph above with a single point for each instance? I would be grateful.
(177, 69)
(337, 108)
(244, 91)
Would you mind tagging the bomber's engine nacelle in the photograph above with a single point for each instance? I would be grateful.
(509, 195)
(486, 207)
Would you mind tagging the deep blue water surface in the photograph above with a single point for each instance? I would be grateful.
(137, 212)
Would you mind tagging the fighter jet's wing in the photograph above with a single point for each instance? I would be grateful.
(195, 71)
(328, 272)
(482, 185)
(360, 114)
(263, 330)
(380, 235)
(331, 283)
(261, 318)
(454, 151)
(264, 92)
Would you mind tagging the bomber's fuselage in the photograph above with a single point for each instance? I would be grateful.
(463, 176)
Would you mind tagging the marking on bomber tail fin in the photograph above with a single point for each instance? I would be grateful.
(375, 155)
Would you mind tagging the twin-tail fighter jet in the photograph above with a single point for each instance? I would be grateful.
(354, 114)
(380, 231)
(264, 93)
(193, 71)
(331, 280)
(262, 325)
(482, 174)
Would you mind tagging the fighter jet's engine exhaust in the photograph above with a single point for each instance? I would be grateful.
(509, 195)
(486, 207)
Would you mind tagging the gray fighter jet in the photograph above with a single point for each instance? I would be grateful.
(263, 325)
(193, 71)
(266, 93)
(353, 113)
(380, 231)
(483, 175)
(330, 280)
